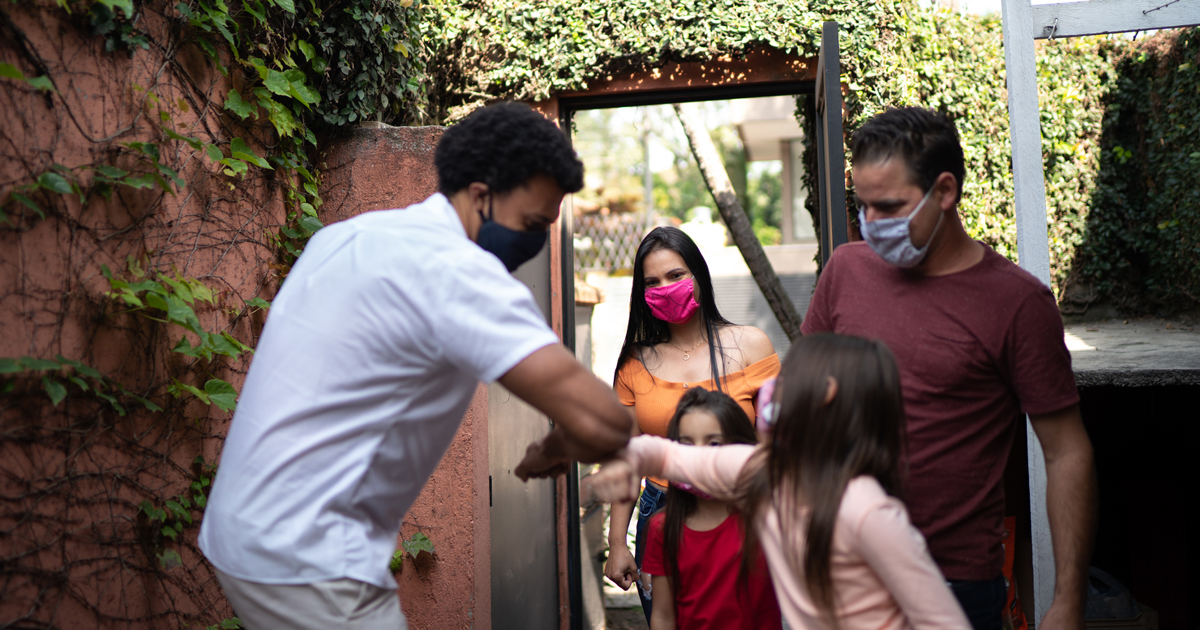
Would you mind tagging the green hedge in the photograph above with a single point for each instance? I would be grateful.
(1118, 117)
(1142, 250)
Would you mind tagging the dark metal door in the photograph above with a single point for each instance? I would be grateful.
(831, 157)
(524, 534)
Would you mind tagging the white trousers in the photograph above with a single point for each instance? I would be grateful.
(343, 604)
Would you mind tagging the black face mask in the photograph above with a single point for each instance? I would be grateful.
(513, 248)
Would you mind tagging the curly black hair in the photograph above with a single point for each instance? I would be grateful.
(504, 146)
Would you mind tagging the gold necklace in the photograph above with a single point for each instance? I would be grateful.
(687, 354)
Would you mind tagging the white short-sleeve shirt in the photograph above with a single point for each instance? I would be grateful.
(371, 354)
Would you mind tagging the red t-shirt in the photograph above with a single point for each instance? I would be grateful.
(710, 593)
(975, 349)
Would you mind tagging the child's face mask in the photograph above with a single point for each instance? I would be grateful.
(690, 489)
(765, 408)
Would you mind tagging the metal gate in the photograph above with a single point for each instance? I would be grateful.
(831, 157)
(524, 558)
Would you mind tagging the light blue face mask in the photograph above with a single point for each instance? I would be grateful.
(891, 238)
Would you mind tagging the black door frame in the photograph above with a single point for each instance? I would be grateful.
(831, 157)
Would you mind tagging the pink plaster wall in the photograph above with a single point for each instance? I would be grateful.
(391, 167)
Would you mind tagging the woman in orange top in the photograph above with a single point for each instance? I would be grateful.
(676, 340)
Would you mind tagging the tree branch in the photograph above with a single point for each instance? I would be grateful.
(735, 218)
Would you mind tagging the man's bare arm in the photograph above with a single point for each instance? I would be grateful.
(590, 423)
(1071, 504)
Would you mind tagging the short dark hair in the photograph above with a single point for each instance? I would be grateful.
(504, 146)
(926, 140)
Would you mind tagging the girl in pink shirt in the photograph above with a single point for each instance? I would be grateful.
(694, 546)
(819, 494)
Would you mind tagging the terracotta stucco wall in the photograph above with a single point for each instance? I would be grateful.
(392, 167)
(76, 551)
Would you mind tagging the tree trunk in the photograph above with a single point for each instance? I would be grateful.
(735, 218)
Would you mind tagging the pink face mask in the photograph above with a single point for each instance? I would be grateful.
(673, 303)
(690, 489)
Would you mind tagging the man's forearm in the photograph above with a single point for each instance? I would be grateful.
(1071, 504)
(560, 444)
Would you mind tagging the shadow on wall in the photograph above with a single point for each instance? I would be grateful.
(1141, 246)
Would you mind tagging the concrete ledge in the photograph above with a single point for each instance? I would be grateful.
(1136, 378)
(1134, 353)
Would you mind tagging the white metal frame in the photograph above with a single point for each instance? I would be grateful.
(1024, 23)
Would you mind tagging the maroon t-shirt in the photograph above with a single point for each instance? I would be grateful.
(976, 349)
(710, 593)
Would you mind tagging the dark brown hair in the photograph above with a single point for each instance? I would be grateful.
(925, 140)
(816, 449)
(736, 428)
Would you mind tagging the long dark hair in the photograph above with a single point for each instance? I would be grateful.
(645, 330)
(735, 428)
(816, 449)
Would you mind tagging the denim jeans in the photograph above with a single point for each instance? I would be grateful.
(651, 502)
(982, 600)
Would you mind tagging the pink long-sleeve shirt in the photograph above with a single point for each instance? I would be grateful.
(883, 575)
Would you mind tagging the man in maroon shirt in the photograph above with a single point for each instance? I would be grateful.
(979, 342)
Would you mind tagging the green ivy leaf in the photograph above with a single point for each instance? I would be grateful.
(418, 543)
(236, 104)
(222, 394)
(169, 559)
(195, 143)
(239, 150)
(258, 303)
(277, 82)
(110, 171)
(286, 5)
(28, 203)
(235, 166)
(124, 5)
(54, 389)
(312, 224)
(144, 180)
(42, 83)
(177, 390)
(221, 345)
(213, 152)
(54, 182)
(9, 71)
(305, 48)
(259, 13)
(9, 365)
(40, 364)
(80, 367)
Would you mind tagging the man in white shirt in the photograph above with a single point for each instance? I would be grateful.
(373, 349)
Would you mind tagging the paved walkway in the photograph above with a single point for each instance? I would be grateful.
(1135, 352)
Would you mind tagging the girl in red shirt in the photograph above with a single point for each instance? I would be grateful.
(694, 546)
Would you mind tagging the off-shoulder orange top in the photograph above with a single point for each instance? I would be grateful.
(654, 400)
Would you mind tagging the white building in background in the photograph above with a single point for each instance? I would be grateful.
(769, 131)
